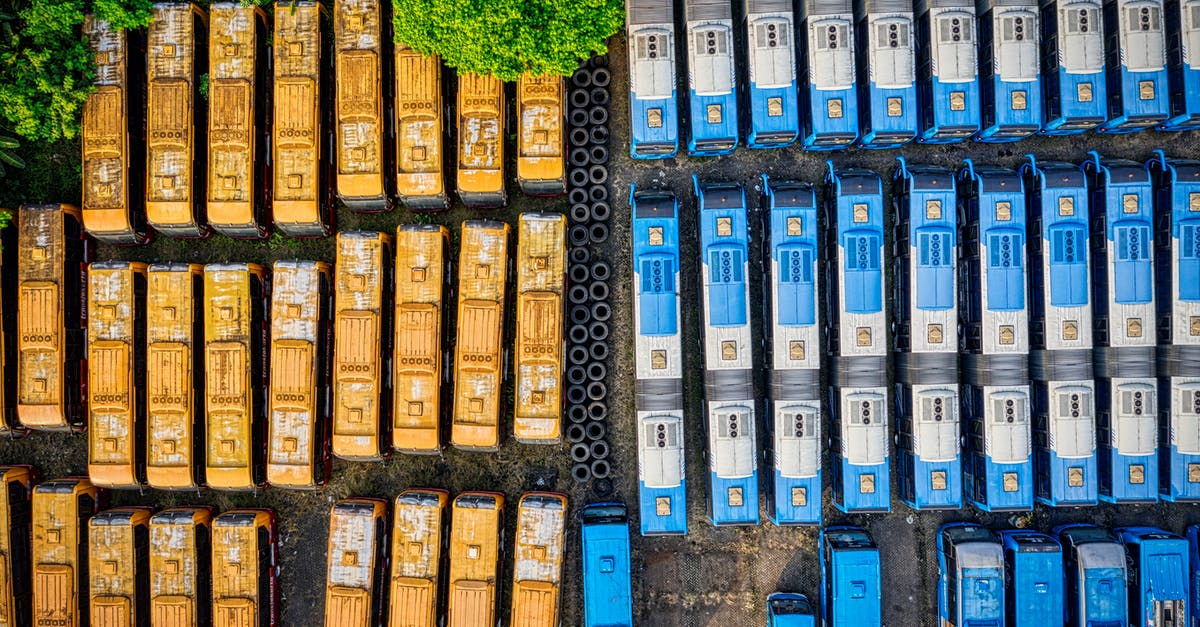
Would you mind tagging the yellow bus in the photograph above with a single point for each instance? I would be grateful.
(421, 279)
(245, 591)
(476, 541)
(480, 175)
(16, 483)
(301, 315)
(52, 259)
(175, 376)
(180, 559)
(303, 157)
(357, 566)
(417, 538)
(420, 154)
(538, 559)
(363, 151)
(235, 375)
(538, 355)
(119, 566)
(176, 57)
(542, 137)
(114, 159)
(479, 351)
(61, 509)
(239, 111)
(362, 381)
(116, 351)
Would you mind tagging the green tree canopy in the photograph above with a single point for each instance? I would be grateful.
(507, 38)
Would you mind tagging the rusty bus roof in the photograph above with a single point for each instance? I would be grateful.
(538, 557)
(538, 354)
(477, 525)
(479, 354)
(171, 352)
(236, 588)
(58, 586)
(419, 523)
(352, 557)
(419, 124)
(177, 587)
(541, 136)
(113, 564)
(420, 285)
(297, 130)
(357, 27)
(480, 135)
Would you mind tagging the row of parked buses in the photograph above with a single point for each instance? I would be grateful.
(231, 376)
(884, 72)
(1031, 360)
(226, 119)
(69, 561)
(442, 563)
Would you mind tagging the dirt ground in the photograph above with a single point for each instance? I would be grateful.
(710, 577)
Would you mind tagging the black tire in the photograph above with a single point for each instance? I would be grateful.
(578, 355)
(578, 414)
(581, 472)
(580, 452)
(580, 314)
(597, 116)
(598, 233)
(578, 195)
(577, 375)
(599, 135)
(600, 60)
(596, 410)
(579, 157)
(580, 255)
(600, 469)
(595, 430)
(580, 137)
(596, 391)
(579, 274)
(597, 96)
(598, 331)
(578, 295)
(601, 77)
(598, 351)
(598, 290)
(579, 118)
(596, 371)
(600, 311)
(598, 155)
(578, 177)
(580, 213)
(582, 78)
(576, 394)
(580, 98)
(598, 193)
(575, 432)
(600, 448)
(601, 271)
(578, 235)
(578, 335)
(598, 175)
(601, 211)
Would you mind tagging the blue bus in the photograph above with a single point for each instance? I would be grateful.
(728, 353)
(1035, 578)
(998, 471)
(925, 337)
(1122, 216)
(658, 354)
(970, 576)
(788, 609)
(1183, 64)
(947, 71)
(851, 587)
(887, 70)
(1193, 537)
(857, 328)
(1135, 66)
(1095, 571)
(1073, 85)
(1159, 577)
(774, 110)
(653, 113)
(1008, 70)
(1177, 283)
(828, 99)
(1060, 338)
(607, 580)
(795, 353)
(712, 77)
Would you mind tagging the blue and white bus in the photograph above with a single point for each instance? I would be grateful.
(795, 349)
(1060, 338)
(857, 332)
(1122, 216)
(998, 471)
(774, 111)
(728, 353)
(947, 71)
(970, 576)
(1177, 285)
(851, 586)
(1073, 85)
(1095, 570)
(653, 112)
(1159, 577)
(1034, 562)
(925, 337)
(828, 98)
(658, 352)
(607, 578)
(1183, 63)
(1135, 65)
(712, 77)
(887, 71)
(1008, 70)
(1192, 533)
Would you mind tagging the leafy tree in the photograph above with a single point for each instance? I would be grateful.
(506, 38)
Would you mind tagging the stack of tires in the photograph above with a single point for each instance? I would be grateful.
(589, 309)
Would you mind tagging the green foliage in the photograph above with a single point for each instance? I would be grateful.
(203, 87)
(53, 173)
(507, 38)
(7, 155)
(5, 218)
